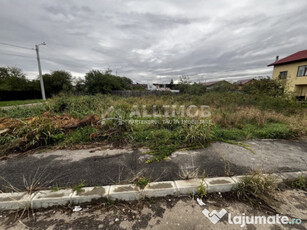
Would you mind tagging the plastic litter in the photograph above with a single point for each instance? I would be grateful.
(200, 202)
(77, 209)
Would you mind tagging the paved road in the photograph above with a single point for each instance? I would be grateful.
(159, 214)
(103, 167)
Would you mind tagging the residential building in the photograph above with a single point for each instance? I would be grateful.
(293, 69)
(241, 83)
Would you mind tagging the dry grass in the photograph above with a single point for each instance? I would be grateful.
(256, 187)
(244, 115)
(241, 115)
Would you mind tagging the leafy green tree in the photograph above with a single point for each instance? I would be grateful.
(79, 85)
(4, 72)
(99, 82)
(57, 82)
(12, 78)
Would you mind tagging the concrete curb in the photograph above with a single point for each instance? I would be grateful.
(47, 198)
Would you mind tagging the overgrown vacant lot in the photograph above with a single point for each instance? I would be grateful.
(68, 121)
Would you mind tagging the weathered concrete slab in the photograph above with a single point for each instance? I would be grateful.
(89, 194)
(124, 192)
(187, 186)
(219, 184)
(14, 201)
(290, 176)
(45, 199)
(304, 173)
(160, 189)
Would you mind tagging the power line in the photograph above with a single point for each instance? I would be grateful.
(22, 47)
(16, 55)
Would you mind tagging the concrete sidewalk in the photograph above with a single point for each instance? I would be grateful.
(162, 213)
(103, 167)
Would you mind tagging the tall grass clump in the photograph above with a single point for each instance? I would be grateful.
(256, 187)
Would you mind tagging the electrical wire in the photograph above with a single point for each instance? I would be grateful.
(15, 55)
(22, 47)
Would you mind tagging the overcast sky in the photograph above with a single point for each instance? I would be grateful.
(153, 40)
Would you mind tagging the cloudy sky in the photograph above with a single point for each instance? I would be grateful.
(153, 40)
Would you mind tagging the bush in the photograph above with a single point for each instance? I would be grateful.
(273, 88)
(198, 134)
(56, 82)
(98, 82)
(195, 89)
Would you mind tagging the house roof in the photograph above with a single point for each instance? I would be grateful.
(141, 85)
(243, 82)
(210, 83)
(298, 56)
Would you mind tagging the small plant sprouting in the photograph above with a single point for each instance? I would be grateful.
(78, 188)
(299, 183)
(142, 182)
(202, 191)
(55, 189)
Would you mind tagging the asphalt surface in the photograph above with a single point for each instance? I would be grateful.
(165, 213)
(67, 168)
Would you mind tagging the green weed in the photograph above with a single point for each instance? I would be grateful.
(141, 182)
(78, 187)
(299, 183)
(202, 191)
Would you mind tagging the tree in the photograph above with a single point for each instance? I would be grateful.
(171, 84)
(99, 82)
(183, 79)
(12, 78)
(79, 85)
(57, 81)
(4, 72)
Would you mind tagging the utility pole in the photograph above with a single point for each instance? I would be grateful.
(40, 70)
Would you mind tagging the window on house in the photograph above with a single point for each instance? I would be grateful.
(283, 75)
(302, 71)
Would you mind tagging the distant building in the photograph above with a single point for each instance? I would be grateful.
(293, 69)
(139, 86)
(213, 85)
(241, 83)
(166, 87)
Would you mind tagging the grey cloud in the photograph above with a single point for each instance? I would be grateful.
(154, 40)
